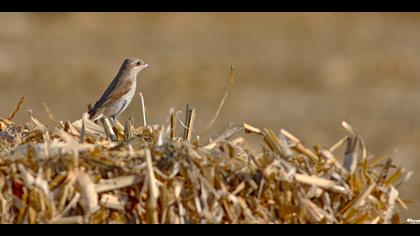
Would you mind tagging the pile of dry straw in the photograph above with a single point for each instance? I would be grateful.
(75, 173)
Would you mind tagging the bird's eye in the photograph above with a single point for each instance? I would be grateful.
(138, 63)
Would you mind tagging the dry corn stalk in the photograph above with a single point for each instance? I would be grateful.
(75, 173)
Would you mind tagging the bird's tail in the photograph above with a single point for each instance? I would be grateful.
(95, 114)
(91, 112)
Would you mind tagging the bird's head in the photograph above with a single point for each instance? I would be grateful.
(133, 65)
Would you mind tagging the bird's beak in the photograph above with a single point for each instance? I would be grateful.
(146, 65)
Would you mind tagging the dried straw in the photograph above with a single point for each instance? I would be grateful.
(79, 174)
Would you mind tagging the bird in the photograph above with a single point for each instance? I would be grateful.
(120, 92)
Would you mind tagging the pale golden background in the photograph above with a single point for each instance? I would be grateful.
(305, 72)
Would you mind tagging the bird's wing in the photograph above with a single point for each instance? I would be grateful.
(122, 88)
(115, 90)
(105, 95)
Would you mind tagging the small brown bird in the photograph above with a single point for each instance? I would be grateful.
(120, 92)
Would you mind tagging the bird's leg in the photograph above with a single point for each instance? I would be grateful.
(108, 126)
(113, 121)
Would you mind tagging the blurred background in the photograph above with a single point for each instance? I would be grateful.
(304, 72)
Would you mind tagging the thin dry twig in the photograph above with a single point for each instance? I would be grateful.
(219, 109)
(143, 109)
(51, 116)
(21, 100)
